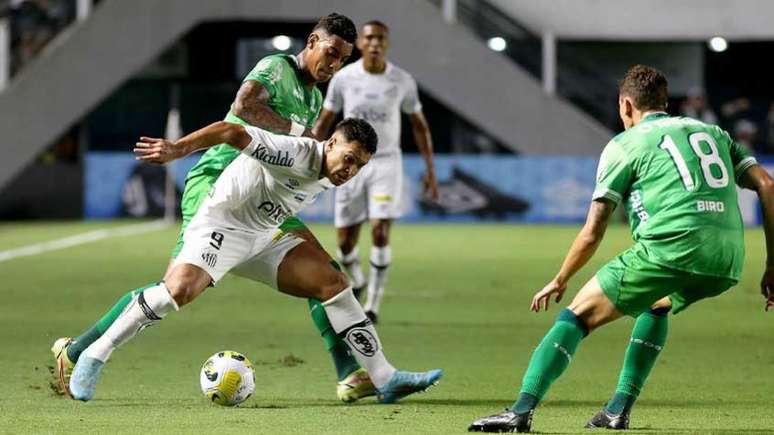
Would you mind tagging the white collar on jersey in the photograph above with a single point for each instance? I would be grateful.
(324, 181)
(387, 67)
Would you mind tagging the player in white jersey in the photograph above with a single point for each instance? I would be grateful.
(378, 91)
(274, 177)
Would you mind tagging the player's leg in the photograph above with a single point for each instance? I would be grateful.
(287, 259)
(384, 196)
(649, 337)
(208, 253)
(349, 256)
(350, 211)
(590, 309)
(66, 350)
(349, 322)
(381, 257)
(647, 340)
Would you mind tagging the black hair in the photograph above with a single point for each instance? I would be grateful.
(645, 85)
(355, 129)
(377, 23)
(339, 25)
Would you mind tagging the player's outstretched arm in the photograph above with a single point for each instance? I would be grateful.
(424, 142)
(581, 251)
(252, 106)
(155, 150)
(757, 179)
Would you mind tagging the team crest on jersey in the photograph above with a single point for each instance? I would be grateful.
(292, 183)
(392, 92)
(363, 341)
(210, 258)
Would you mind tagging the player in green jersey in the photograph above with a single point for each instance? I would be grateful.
(676, 178)
(279, 95)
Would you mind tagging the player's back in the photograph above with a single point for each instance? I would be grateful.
(681, 196)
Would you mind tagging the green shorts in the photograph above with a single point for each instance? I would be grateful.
(633, 283)
(196, 189)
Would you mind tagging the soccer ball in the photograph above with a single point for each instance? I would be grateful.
(227, 378)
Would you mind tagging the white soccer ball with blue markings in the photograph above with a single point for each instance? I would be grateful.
(227, 378)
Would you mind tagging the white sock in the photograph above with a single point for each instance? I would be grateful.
(145, 309)
(350, 322)
(351, 264)
(380, 261)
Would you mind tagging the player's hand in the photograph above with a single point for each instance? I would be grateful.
(156, 150)
(431, 185)
(767, 287)
(543, 297)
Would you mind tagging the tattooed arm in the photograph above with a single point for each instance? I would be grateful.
(252, 106)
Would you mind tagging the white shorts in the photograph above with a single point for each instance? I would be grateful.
(374, 193)
(219, 250)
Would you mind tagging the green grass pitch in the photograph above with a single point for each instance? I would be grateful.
(457, 298)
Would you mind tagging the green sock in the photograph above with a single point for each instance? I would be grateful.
(549, 359)
(648, 338)
(343, 360)
(95, 331)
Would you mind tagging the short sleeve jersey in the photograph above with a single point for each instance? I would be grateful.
(377, 98)
(289, 98)
(274, 177)
(676, 177)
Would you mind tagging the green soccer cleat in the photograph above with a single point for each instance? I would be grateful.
(404, 383)
(64, 367)
(355, 386)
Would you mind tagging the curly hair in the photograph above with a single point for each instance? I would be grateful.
(359, 130)
(646, 86)
(339, 25)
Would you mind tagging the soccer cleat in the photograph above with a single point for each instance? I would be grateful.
(84, 378)
(401, 384)
(64, 367)
(604, 419)
(355, 386)
(372, 316)
(506, 421)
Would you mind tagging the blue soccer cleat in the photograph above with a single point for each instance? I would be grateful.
(401, 384)
(84, 378)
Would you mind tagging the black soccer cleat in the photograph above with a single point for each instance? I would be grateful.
(373, 317)
(506, 421)
(604, 419)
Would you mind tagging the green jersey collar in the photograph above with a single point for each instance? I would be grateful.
(653, 116)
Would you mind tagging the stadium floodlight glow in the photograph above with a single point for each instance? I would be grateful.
(281, 42)
(497, 43)
(718, 44)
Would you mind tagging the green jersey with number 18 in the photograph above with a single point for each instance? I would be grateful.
(676, 177)
(289, 98)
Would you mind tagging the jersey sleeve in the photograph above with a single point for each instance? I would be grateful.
(268, 72)
(614, 173)
(411, 103)
(741, 157)
(334, 98)
(280, 153)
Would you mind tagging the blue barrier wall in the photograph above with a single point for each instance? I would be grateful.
(474, 188)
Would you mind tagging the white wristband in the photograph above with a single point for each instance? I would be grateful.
(296, 129)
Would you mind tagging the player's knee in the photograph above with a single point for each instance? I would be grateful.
(333, 284)
(380, 235)
(183, 288)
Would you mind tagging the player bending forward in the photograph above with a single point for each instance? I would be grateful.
(273, 178)
(675, 176)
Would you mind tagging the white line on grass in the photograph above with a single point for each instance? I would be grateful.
(80, 239)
